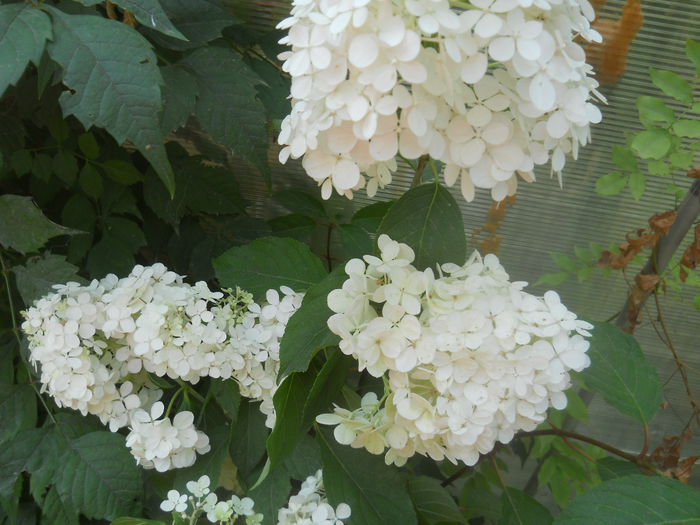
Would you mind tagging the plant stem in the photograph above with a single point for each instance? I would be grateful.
(422, 162)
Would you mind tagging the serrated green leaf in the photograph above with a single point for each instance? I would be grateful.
(624, 158)
(355, 241)
(672, 84)
(563, 261)
(24, 30)
(652, 143)
(635, 500)
(114, 82)
(269, 262)
(376, 493)
(658, 167)
(681, 159)
(553, 279)
(301, 202)
(692, 51)
(294, 226)
(307, 330)
(521, 509)
(428, 219)
(227, 104)
(179, 97)
(687, 128)
(637, 184)
(55, 511)
(24, 226)
(611, 184)
(98, 477)
(432, 502)
(620, 372)
(149, 13)
(17, 410)
(21, 455)
(653, 110)
(88, 145)
(39, 274)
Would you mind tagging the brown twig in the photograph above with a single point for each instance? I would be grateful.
(422, 163)
(111, 10)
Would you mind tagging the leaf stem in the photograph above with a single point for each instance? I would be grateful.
(422, 162)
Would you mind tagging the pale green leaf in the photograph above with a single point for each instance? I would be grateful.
(672, 84)
(114, 82)
(376, 493)
(687, 128)
(432, 502)
(24, 30)
(611, 184)
(653, 110)
(269, 262)
(624, 158)
(658, 167)
(635, 500)
(428, 219)
(652, 143)
(39, 274)
(24, 226)
(620, 372)
(692, 50)
(637, 184)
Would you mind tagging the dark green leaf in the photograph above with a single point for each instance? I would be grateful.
(652, 111)
(307, 330)
(248, 439)
(687, 128)
(39, 274)
(114, 82)
(21, 162)
(634, 500)
(355, 241)
(125, 232)
(65, 166)
(20, 455)
(24, 227)
(55, 511)
(272, 494)
(301, 202)
(432, 502)
(269, 262)
(88, 145)
(149, 13)
(99, 477)
(672, 84)
(637, 184)
(326, 386)
(136, 521)
(91, 181)
(227, 105)
(620, 372)
(521, 509)
(228, 397)
(79, 213)
(199, 20)
(376, 493)
(624, 158)
(611, 468)
(611, 184)
(42, 166)
(179, 97)
(109, 257)
(428, 219)
(692, 50)
(17, 410)
(121, 172)
(305, 460)
(652, 143)
(210, 463)
(23, 34)
(370, 217)
(294, 226)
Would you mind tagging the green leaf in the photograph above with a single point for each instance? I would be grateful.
(269, 262)
(125, 232)
(179, 97)
(307, 330)
(114, 82)
(611, 184)
(98, 476)
(635, 500)
(637, 184)
(370, 217)
(301, 202)
(248, 439)
(55, 511)
(624, 158)
(376, 493)
(672, 84)
(295, 226)
(432, 502)
(24, 227)
(563, 261)
(91, 181)
(652, 111)
(149, 13)
(17, 410)
(658, 167)
(553, 279)
(136, 521)
(208, 464)
(24, 30)
(355, 241)
(88, 145)
(228, 397)
(79, 213)
(271, 495)
(39, 274)
(122, 172)
(652, 143)
(65, 166)
(521, 509)
(612, 468)
(20, 455)
(681, 159)
(620, 372)
(305, 460)
(692, 50)
(687, 128)
(427, 218)
(227, 106)
(199, 20)
(326, 386)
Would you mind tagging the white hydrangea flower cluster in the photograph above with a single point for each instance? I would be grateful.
(201, 500)
(95, 343)
(468, 357)
(490, 88)
(310, 506)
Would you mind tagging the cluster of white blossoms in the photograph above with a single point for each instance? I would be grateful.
(490, 88)
(310, 506)
(96, 344)
(468, 357)
(202, 501)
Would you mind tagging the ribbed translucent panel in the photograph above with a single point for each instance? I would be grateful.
(547, 218)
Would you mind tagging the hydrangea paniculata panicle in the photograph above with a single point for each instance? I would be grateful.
(96, 344)
(467, 356)
(491, 88)
(310, 506)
